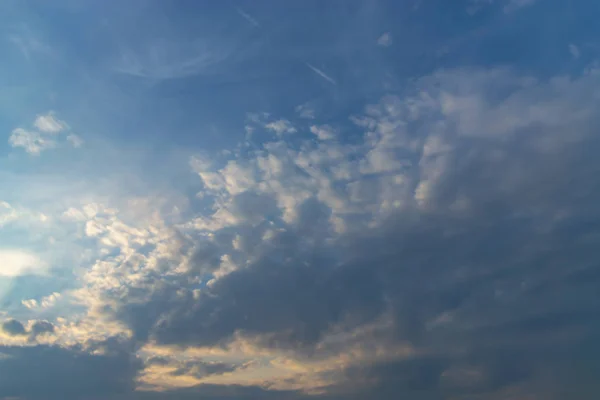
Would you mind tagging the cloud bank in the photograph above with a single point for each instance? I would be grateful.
(435, 239)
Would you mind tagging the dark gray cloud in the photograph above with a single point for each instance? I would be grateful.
(217, 392)
(203, 369)
(49, 372)
(441, 261)
(41, 327)
(494, 277)
(13, 327)
(197, 369)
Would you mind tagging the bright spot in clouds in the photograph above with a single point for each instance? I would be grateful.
(17, 262)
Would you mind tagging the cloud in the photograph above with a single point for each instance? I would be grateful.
(305, 111)
(44, 302)
(509, 6)
(75, 141)
(385, 40)
(574, 50)
(41, 328)
(445, 230)
(13, 327)
(165, 59)
(48, 123)
(32, 142)
(247, 17)
(514, 5)
(29, 44)
(281, 126)
(323, 132)
(477, 211)
(427, 238)
(447, 250)
(46, 137)
(29, 334)
(321, 74)
(166, 373)
(49, 372)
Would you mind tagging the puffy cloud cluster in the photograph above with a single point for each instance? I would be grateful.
(441, 244)
(46, 135)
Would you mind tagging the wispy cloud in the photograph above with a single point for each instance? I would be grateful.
(475, 6)
(321, 74)
(306, 111)
(574, 50)
(170, 59)
(247, 17)
(514, 5)
(385, 40)
(28, 43)
(75, 140)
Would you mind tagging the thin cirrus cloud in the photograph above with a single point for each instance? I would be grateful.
(164, 60)
(415, 231)
(385, 40)
(508, 6)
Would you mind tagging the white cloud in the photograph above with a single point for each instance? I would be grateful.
(385, 40)
(44, 302)
(46, 135)
(48, 123)
(321, 74)
(32, 142)
(237, 179)
(281, 126)
(305, 111)
(323, 132)
(8, 214)
(75, 214)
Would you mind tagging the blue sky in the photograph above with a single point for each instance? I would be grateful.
(299, 199)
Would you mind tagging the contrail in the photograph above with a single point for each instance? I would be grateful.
(248, 17)
(321, 74)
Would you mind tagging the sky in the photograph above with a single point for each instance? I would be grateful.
(300, 199)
